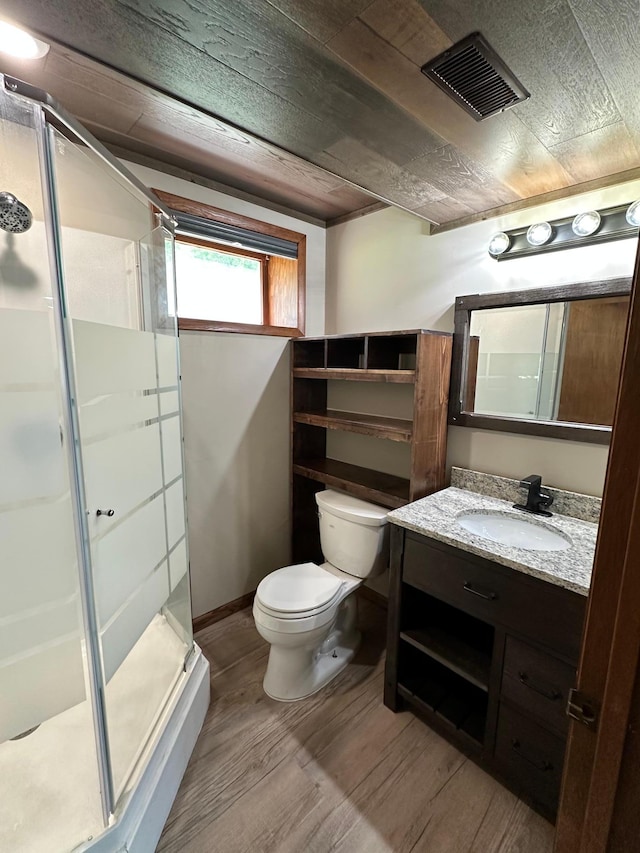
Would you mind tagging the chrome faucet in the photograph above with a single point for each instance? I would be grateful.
(538, 501)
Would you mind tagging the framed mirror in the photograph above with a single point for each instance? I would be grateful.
(544, 361)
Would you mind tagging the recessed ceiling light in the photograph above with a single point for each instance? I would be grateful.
(16, 42)
(586, 223)
(539, 234)
(499, 244)
(633, 214)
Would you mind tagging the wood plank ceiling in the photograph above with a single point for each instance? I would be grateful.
(338, 84)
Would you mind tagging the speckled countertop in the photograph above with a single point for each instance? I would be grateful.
(435, 517)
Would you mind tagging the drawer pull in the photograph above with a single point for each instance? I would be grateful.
(551, 694)
(488, 596)
(539, 765)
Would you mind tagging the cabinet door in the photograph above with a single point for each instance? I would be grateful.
(538, 683)
(530, 757)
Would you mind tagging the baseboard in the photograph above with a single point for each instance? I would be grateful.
(213, 616)
(374, 597)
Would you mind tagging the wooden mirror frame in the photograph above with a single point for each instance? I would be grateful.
(464, 305)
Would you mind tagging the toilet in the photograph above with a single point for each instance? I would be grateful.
(308, 613)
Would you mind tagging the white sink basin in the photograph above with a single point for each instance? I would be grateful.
(514, 532)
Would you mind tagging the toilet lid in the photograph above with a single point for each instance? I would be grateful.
(295, 589)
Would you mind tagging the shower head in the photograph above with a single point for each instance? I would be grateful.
(15, 217)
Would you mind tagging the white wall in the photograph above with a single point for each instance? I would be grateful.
(385, 272)
(236, 425)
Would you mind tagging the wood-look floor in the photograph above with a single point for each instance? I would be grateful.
(336, 772)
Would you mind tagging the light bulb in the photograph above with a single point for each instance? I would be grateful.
(17, 42)
(585, 224)
(539, 234)
(499, 244)
(633, 214)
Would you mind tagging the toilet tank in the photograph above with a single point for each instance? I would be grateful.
(353, 534)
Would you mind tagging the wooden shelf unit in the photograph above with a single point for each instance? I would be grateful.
(417, 357)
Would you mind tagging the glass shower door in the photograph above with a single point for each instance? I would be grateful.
(126, 396)
(49, 780)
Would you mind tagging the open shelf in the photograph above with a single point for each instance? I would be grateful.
(357, 375)
(434, 689)
(395, 429)
(309, 353)
(345, 352)
(392, 352)
(374, 486)
(449, 636)
(452, 652)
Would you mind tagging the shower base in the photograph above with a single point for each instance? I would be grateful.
(48, 780)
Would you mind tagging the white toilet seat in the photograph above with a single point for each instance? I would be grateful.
(301, 625)
(300, 590)
(300, 598)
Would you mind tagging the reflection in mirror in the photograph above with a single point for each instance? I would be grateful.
(543, 361)
(557, 361)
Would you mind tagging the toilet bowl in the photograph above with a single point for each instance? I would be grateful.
(307, 612)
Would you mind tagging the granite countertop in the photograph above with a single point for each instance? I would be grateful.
(435, 517)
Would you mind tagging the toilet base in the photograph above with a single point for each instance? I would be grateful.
(295, 674)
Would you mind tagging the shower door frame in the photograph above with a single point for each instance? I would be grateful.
(49, 108)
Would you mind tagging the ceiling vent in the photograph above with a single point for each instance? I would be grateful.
(473, 74)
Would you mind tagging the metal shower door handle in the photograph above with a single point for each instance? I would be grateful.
(109, 512)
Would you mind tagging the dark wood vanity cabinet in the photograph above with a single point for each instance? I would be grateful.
(486, 655)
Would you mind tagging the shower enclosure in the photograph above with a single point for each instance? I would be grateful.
(96, 651)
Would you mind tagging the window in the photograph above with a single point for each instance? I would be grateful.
(217, 282)
(252, 282)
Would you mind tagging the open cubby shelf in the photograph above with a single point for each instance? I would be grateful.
(392, 353)
(435, 689)
(345, 352)
(309, 353)
(456, 640)
(386, 352)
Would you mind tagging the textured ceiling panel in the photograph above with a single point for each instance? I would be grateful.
(338, 84)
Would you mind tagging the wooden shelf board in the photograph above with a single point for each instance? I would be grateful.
(384, 489)
(395, 429)
(355, 374)
(469, 733)
(472, 664)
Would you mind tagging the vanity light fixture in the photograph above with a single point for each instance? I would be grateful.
(15, 41)
(585, 224)
(539, 234)
(582, 229)
(499, 244)
(633, 214)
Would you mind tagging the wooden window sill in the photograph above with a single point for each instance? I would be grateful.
(190, 325)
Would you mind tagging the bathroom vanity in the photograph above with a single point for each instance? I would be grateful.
(483, 637)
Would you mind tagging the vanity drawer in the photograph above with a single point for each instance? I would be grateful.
(530, 757)
(545, 612)
(538, 682)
